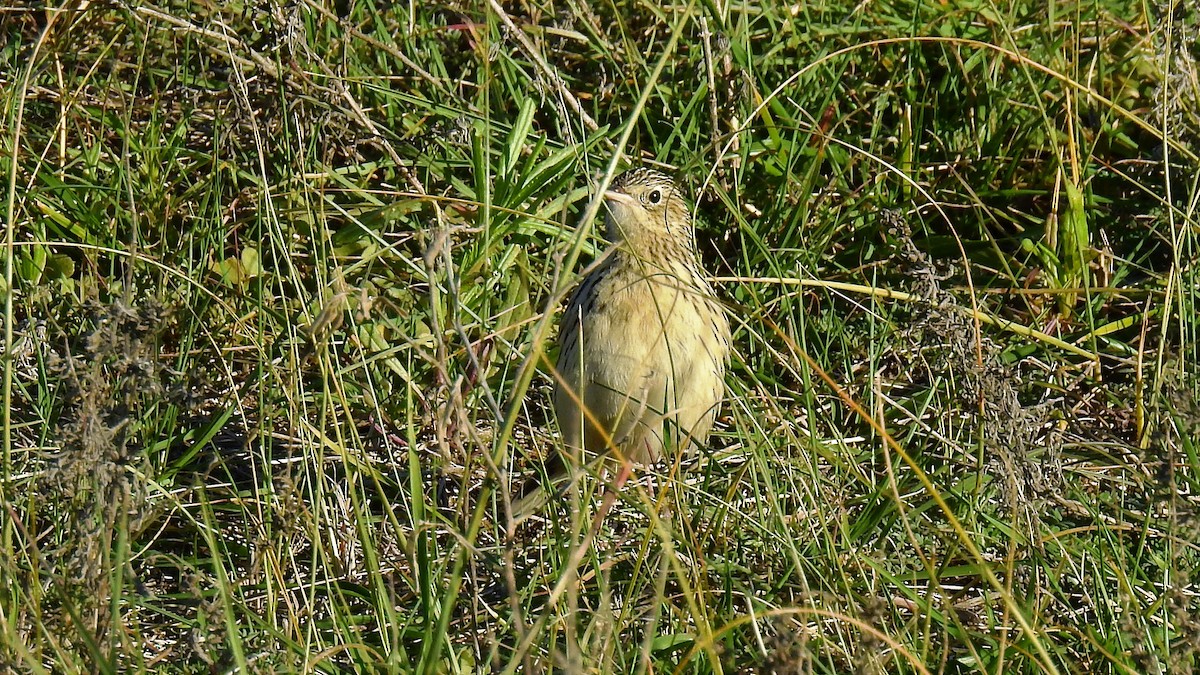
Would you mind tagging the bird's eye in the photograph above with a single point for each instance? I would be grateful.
(655, 196)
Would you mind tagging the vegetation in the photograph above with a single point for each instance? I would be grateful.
(281, 288)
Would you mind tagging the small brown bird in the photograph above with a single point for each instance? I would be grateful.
(643, 345)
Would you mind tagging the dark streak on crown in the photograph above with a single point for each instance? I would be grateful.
(642, 176)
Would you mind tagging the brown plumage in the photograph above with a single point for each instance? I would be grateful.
(644, 342)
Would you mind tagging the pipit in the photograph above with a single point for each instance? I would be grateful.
(644, 342)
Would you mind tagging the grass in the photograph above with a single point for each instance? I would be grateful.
(282, 282)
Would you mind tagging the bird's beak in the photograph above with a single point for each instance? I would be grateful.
(620, 206)
(619, 197)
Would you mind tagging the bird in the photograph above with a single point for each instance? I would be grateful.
(644, 342)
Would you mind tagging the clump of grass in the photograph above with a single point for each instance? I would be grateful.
(1176, 97)
(1169, 455)
(94, 495)
(953, 350)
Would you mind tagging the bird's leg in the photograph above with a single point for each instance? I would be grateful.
(625, 473)
(610, 494)
(610, 498)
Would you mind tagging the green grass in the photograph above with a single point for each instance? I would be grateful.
(283, 282)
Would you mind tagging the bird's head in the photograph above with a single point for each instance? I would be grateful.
(644, 205)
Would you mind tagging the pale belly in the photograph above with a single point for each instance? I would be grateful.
(648, 368)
